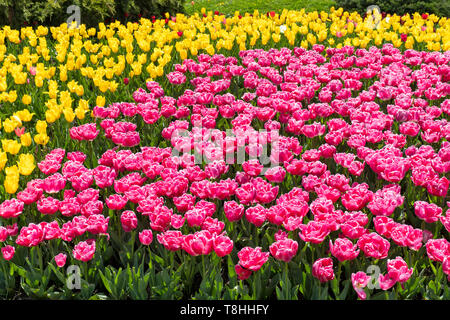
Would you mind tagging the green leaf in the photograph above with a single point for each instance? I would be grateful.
(344, 292)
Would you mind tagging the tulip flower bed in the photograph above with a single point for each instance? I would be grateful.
(51, 77)
(280, 173)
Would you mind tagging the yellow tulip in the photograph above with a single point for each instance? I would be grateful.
(26, 164)
(51, 115)
(52, 89)
(12, 96)
(83, 104)
(10, 124)
(100, 101)
(26, 99)
(41, 127)
(3, 159)
(276, 37)
(41, 138)
(3, 85)
(25, 139)
(11, 184)
(38, 81)
(69, 114)
(210, 50)
(80, 113)
(311, 39)
(24, 115)
(194, 51)
(397, 42)
(436, 46)
(356, 42)
(183, 54)
(11, 146)
(159, 71)
(113, 86)
(103, 86)
(94, 59)
(63, 73)
(322, 35)
(79, 91)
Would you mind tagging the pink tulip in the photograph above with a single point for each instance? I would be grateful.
(129, 220)
(343, 249)
(359, 282)
(242, 273)
(373, 245)
(146, 237)
(84, 250)
(322, 269)
(398, 270)
(8, 252)
(60, 259)
(11, 208)
(429, 212)
(314, 232)
(171, 240)
(252, 258)
(199, 243)
(223, 245)
(438, 249)
(284, 249)
(233, 211)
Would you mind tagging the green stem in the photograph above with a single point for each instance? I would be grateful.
(172, 263)
(286, 281)
(320, 290)
(86, 271)
(91, 149)
(339, 273)
(133, 240)
(203, 266)
(40, 259)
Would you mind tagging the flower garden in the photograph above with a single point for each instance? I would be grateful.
(287, 155)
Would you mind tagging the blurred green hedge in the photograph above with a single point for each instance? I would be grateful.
(19, 13)
(440, 8)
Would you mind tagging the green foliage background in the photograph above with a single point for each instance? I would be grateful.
(19, 13)
(438, 7)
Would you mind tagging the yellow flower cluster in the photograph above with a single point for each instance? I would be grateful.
(25, 166)
(59, 72)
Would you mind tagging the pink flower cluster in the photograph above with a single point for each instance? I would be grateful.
(350, 107)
